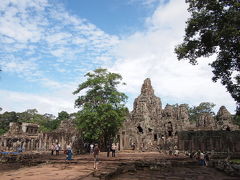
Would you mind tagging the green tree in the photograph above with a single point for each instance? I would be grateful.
(102, 108)
(214, 28)
(63, 115)
(5, 119)
(236, 120)
(47, 122)
(204, 107)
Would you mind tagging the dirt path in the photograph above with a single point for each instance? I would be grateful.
(56, 168)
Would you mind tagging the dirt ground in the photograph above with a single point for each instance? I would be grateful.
(177, 173)
(81, 167)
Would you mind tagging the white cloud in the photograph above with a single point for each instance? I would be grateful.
(19, 102)
(43, 43)
(45, 31)
(150, 53)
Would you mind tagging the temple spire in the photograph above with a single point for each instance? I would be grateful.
(147, 88)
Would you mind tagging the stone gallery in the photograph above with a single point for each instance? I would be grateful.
(26, 137)
(149, 127)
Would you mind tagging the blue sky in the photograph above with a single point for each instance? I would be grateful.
(47, 46)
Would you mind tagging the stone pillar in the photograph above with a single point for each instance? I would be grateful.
(29, 145)
(5, 143)
(40, 143)
(45, 142)
(34, 144)
(63, 143)
(122, 140)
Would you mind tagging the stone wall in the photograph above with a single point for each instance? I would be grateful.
(217, 141)
(25, 136)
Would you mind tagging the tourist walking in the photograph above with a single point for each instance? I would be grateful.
(52, 149)
(96, 151)
(114, 147)
(69, 152)
(108, 150)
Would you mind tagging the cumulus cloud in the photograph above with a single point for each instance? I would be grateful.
(45, 31)
(41, 42)
(150, 53)
(19, 102)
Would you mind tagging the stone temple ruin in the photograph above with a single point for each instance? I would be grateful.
(26, 137)
(150, 127)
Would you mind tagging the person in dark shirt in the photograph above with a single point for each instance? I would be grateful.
(108, 150)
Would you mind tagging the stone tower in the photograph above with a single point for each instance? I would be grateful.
(147, 107)
(148, 125)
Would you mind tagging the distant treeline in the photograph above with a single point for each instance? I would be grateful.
(47, 122)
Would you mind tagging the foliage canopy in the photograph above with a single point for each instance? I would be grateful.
(102, 106)
(204, 107)
(214, 28)
(47, 122)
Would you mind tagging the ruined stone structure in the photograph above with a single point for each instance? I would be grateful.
(26, 137)
(218, 141)
(222, 121)
(150, 127)
(20, 135)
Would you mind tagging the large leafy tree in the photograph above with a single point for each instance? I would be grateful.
(214, 28)
(102, 108)
(204, 107)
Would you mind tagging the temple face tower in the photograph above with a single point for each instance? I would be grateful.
(148, 125)
(147, 107)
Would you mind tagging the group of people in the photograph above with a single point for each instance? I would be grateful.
(55, 147)
(94, 149)
(111, 148)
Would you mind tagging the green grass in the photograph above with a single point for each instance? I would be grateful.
(235, 161)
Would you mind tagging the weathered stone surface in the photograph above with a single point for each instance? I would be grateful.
(217, 141)
(67, 126)
(149, 127)
(224, 120)
(26, 137)
(223, 114)
(206, 121)
(229, 168)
